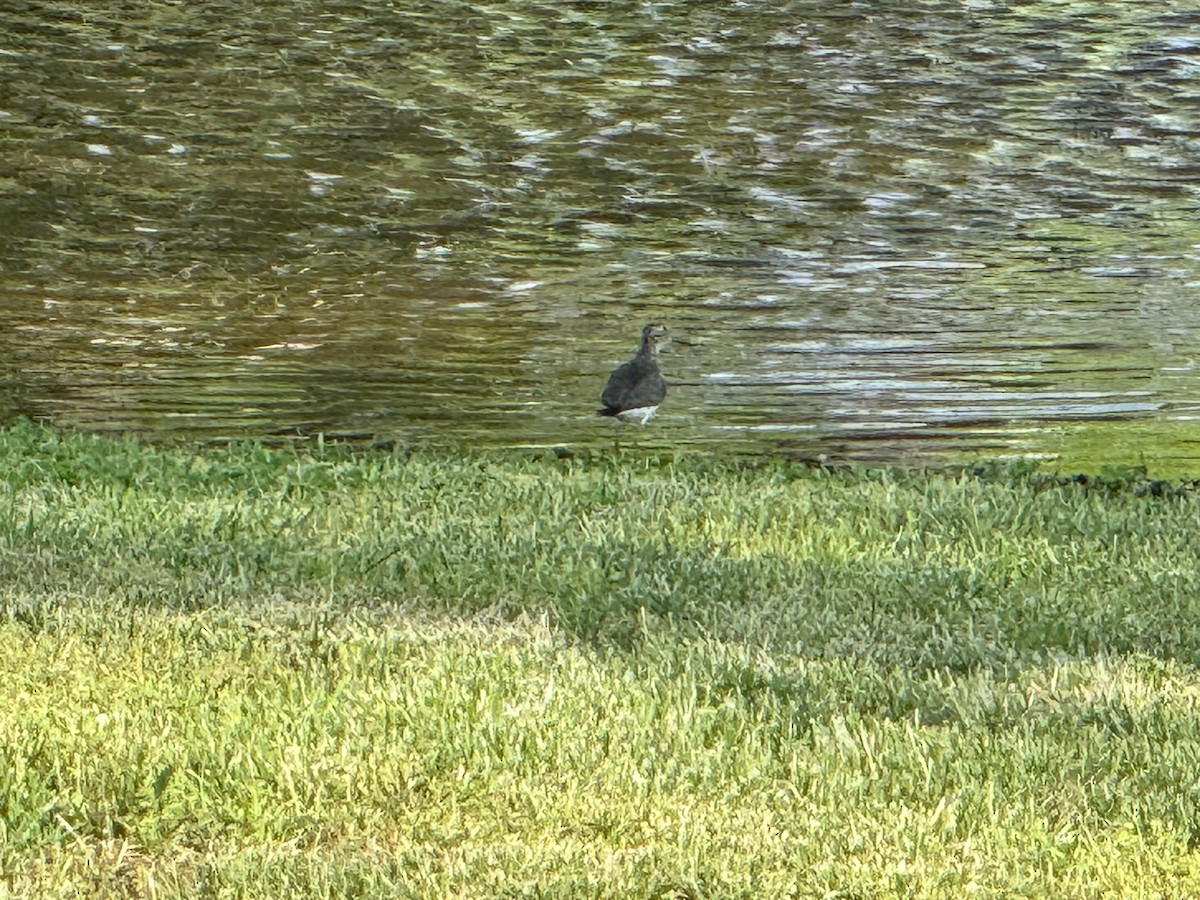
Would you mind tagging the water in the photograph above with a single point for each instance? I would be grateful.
(878, 230)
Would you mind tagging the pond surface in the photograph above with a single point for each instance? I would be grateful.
(878, 230)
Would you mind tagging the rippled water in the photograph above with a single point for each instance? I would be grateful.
(878, 229)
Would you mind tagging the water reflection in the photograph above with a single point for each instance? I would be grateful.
(883, 229)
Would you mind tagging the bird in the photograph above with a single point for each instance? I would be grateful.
(636, 388)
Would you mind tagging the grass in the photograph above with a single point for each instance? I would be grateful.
(247, 672)
(1162, 446)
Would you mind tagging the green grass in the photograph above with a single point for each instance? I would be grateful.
(1161, 446)
(247, 672)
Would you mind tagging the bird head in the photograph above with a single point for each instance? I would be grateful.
(655, 336)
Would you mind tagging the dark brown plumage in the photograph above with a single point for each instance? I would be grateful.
(636, 388)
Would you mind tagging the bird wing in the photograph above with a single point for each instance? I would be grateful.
(647, 392)
(634, 385)
(619, 383)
